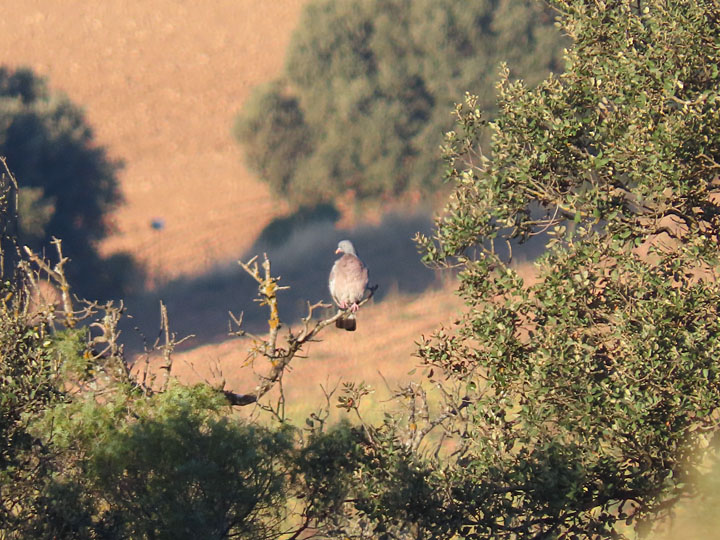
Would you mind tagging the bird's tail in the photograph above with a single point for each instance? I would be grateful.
(347, 322)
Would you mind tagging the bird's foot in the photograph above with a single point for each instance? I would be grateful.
(343, 305)
(354, 307)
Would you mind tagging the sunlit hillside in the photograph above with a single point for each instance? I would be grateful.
(161, 82)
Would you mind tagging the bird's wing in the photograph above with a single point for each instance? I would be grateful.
(332, 282)
(348, 279)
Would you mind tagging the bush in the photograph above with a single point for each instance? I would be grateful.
(586, 398)
(173, 465)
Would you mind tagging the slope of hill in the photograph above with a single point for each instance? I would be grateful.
(161, 82)
(379, 353)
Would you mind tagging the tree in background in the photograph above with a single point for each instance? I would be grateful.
(367, 89)
(67, 183)
(582, 402)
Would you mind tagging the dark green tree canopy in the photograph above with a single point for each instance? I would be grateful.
(67, 182)
(368, 86)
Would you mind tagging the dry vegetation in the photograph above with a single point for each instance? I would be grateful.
(379, 352)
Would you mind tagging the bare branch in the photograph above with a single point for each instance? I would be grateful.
(10, 221)
(278, 357)
(57, 274)
(109, 337)
(169, 346)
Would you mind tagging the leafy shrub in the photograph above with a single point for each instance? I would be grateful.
(172, 465)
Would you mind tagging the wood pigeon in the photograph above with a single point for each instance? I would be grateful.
(348, 281)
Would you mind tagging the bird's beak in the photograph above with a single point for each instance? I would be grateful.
(338, 250)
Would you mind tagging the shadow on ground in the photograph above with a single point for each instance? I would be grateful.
(301, 249)
(303, 260)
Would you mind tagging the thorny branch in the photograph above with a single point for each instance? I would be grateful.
(278, 356)
(57, 274)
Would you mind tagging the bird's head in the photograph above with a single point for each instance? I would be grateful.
(345, 246)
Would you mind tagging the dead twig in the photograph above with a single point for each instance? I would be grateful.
(278, 357)
(57, 274)
(168, 347)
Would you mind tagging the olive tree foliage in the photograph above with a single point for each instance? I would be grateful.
(67, 182)
(579, 402)
(368, 85)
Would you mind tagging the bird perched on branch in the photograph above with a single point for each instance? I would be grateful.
(348, 281)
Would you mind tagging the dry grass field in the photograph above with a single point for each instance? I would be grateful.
(161, 82)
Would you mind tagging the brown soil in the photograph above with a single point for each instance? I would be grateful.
(161, 82)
